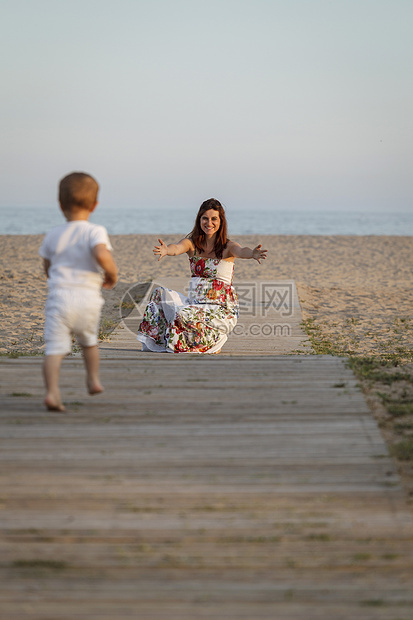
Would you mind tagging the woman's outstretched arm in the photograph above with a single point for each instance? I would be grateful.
(238, 252)
(173, 249)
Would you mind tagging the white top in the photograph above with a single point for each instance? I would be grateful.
(225, 270)
(68, 247)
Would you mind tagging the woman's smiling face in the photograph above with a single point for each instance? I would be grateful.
(210, 222)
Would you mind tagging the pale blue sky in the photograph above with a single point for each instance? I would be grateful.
(301, 104)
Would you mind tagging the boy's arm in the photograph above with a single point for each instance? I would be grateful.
(46, 266)
(105, 260)
(238, 252)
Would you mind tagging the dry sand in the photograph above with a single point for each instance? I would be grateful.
(358, 290)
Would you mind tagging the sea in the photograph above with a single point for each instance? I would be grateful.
(158, 221)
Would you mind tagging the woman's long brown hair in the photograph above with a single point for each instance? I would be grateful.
(198, 236)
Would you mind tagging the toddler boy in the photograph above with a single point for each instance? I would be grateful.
(74, 254)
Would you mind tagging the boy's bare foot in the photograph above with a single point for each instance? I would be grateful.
(91, 357)
(53, 405)
(95, 388)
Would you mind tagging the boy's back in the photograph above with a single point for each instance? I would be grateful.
(74, 255)
(69, 248)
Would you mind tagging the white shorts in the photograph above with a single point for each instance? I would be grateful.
(71, 311)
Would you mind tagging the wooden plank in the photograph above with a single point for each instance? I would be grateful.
(199, 487)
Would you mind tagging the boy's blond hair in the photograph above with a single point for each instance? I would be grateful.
(78, 190)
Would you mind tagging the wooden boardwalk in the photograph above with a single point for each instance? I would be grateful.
(242, 487)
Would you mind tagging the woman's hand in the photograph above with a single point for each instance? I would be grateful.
(259, 254)
(234, 249)
(161, 250)
(173, 249)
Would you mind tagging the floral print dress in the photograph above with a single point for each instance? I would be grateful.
(199, 323)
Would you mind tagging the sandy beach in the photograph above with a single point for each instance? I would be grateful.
(357, 290)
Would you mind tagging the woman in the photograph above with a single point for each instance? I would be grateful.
(201, 322)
